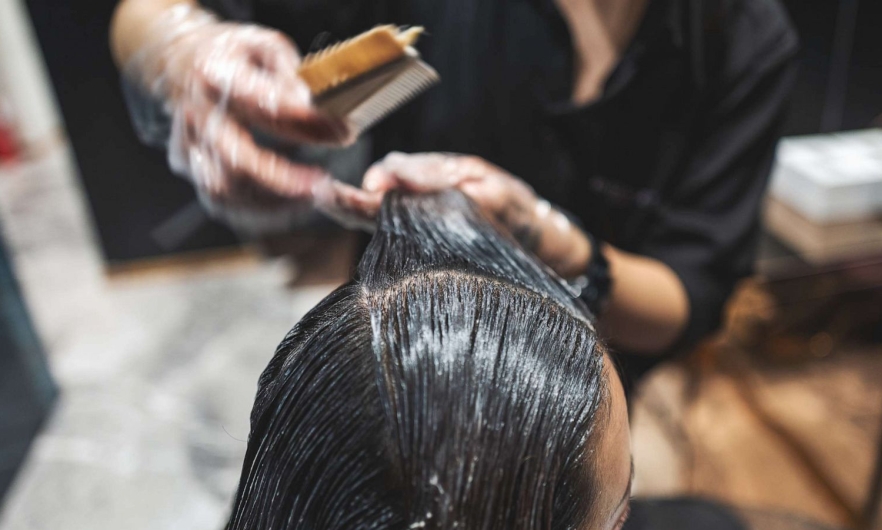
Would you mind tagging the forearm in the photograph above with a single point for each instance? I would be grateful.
(648, 305)
(131, 25)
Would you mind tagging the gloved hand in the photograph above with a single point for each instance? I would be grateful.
(219, 81)
(505, 199)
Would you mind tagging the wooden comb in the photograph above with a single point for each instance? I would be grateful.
(365, 78)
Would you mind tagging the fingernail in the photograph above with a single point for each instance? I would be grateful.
(372, 178)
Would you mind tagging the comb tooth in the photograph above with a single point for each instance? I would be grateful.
(408, 85)
(382, 104)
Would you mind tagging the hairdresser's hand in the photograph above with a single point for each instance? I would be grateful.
(220, 81)
(505, 199)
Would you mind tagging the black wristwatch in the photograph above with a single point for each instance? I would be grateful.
(595, 283)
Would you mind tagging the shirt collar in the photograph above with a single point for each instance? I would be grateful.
(662, 28)
(662, 18)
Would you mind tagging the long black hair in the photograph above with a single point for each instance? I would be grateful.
(454, 383)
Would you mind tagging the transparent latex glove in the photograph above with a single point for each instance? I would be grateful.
(218, 82)
(506, 200)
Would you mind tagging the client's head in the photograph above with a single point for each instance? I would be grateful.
(453, 384)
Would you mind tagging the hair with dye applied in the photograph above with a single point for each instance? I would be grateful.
(454, 383)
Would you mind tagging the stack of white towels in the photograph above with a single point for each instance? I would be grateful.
(825, 199)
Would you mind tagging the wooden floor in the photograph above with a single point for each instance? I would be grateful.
(797, 437)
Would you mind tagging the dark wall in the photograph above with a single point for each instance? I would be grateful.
(864, 90)
(129, 186)
(840, 78)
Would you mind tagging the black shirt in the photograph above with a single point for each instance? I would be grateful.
(671, 162)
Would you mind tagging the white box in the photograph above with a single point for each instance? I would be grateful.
(830, 178)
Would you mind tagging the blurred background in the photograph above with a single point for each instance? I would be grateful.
(133, 328)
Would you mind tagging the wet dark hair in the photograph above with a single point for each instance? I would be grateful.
(454, 383)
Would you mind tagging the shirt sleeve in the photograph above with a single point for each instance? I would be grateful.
(708, 228)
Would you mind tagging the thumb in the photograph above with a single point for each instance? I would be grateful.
(379, 179)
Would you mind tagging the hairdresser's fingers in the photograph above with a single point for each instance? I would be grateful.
(360, 202)
(223, 159)
(427, 172)
(481, 180)
(350, 206)
(432, 171)
(277, 105)
(421, 172)
(252, 73)
(282, 110)
(500, 195)
(491, 195)
(245, 160)
(378, 179)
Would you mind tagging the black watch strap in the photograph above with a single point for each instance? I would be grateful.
(595, 284)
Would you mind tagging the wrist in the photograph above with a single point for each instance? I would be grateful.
(563, 245)
(595, 280)
(168, 46)
(136, 24)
